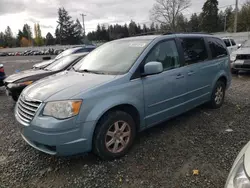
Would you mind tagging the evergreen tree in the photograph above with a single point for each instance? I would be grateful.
(210, 16)
(8, 38)
(66, 29)
(2, 40)
(244, 15)
(144, 29)
(132, 28)
(221, 21)
(229, 16)
(194, 23)
(152, 27)
(58, 36)
(27, 32)
(49, 40)
(126, 33)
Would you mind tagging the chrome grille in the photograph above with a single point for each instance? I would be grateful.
(26, 109)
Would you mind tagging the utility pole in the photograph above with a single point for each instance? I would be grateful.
(236, 16)
(225, 24)
(83, 25)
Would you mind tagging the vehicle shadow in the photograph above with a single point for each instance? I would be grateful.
(242, 75)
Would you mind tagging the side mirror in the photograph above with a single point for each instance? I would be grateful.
(239, 46)
(1, 65)
(153, 67)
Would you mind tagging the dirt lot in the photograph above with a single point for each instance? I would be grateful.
(163, 156)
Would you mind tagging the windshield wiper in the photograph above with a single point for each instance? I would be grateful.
(90, 71)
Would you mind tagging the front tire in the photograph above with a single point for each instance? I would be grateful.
(114, 135)
(218, 95)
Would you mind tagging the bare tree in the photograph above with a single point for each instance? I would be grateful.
(165, 12)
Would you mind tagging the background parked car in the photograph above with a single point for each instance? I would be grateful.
(230, 44)
(75, 50)
(2, 75)
(3, 54)
(240, 59)
(17, 82)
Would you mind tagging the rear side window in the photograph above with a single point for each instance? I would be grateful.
(165, 52)
(232, 42)
(194, 50)
(217, 48)
(227, 42)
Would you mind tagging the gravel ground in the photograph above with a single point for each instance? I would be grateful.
(163, 156)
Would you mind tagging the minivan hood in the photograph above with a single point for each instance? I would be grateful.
(25, 74)
(64, 85)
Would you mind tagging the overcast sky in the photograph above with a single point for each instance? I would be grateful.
(15, 13)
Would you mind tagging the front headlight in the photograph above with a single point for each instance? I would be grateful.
(238, 177)
(13, 85)
(233, 57)
(62, 109)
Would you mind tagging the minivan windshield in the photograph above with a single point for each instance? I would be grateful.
(61, 63)
(115, 57)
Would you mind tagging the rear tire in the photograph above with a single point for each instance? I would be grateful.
(114, 135)
(218, 95)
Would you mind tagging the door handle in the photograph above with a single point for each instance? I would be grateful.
(179, 76)
(190, 73)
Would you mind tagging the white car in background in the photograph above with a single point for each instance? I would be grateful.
(230, 44)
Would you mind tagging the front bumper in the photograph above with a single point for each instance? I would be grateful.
(241, 65)
(57, 137)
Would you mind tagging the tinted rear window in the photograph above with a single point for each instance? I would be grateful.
(194, 50)
(233, 43)
(227, 42)
(217, 48)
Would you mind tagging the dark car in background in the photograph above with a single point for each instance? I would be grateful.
(240, 59)
(75, 50)
(17, 82)
(2, 75)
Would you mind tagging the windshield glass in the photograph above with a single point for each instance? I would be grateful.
(66, 52)
(115, 57)
(61, 63)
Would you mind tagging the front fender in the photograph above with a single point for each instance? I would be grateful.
(108, 103)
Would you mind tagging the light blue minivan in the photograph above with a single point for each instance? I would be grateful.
(121, 88)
